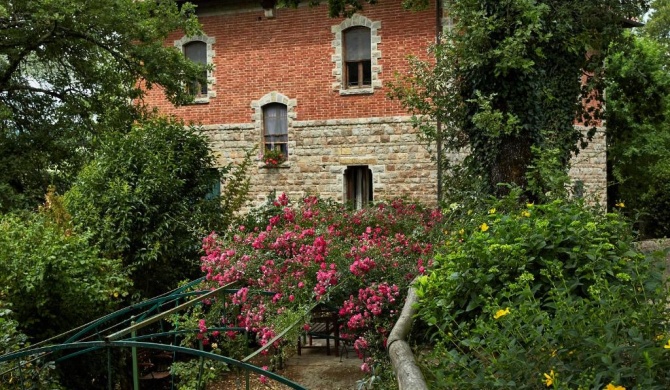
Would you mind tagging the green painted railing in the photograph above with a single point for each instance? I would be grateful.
(118, 330)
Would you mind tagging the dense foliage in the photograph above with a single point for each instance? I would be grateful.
(68, 72)
(53, 278)
(34, 374)
(638, 132)
(538, 296)
(507, 82)
(357, 264)
(145, 198)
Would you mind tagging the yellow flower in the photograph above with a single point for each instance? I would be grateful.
(492, 211)
(116, 294)
(484, 227)
(461, 232)
(612, 387)
(549, 378)
(620, 205)
(525, 213)
(667, 346)
(501, 313)
(553, 353)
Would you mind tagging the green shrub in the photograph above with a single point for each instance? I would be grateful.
(55, 280)
(146, 198)
(555, 289)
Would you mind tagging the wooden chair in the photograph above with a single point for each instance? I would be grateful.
(323, 325)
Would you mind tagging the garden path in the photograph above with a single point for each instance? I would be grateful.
(313, 369)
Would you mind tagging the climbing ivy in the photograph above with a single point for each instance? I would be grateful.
(510, 78)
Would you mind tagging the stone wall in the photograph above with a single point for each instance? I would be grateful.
(321, 150)
(590, 168)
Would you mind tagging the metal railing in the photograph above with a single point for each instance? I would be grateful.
(118, 330)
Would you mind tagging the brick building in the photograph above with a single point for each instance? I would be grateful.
(314, 87)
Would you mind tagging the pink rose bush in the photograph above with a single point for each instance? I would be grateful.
(287, 257)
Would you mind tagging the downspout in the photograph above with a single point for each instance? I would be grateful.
(438, 128)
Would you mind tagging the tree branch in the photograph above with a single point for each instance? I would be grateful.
(59, 95)
(16, 60)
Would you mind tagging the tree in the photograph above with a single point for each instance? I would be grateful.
(506, 83)
(144, 198)
(68, 71)
(658, 25)
(638, 131)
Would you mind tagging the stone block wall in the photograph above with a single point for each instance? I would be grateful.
(321, 150)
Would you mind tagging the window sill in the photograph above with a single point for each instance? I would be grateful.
(357, 91)
(283, 166)
(199, 100)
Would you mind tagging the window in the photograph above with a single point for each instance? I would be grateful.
(200, 49)
(215, 189)
(357, 58)
(275, 127)
(358, 186)
(356, 54)
(196, 51)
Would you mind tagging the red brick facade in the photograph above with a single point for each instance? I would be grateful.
(292, 54)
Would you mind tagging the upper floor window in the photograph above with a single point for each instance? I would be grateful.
(196, 51)
(356, 55)
(200, 49)
(275, 127)
(358, 68)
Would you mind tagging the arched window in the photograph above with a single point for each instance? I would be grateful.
(357, 57)
(196, 51)
(275, 127)
(200, 49)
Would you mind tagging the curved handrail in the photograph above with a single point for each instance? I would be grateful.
(162, 347)
(408, 374)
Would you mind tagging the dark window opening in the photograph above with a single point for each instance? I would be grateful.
(357, 57)
(196, 51)
(275, 128)
(215, 189)
(358, 186)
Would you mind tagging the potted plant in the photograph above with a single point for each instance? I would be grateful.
(273, 157)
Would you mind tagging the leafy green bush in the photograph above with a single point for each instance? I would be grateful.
(638, 131)
(545, 295)
(146, 198)
(54, 279)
